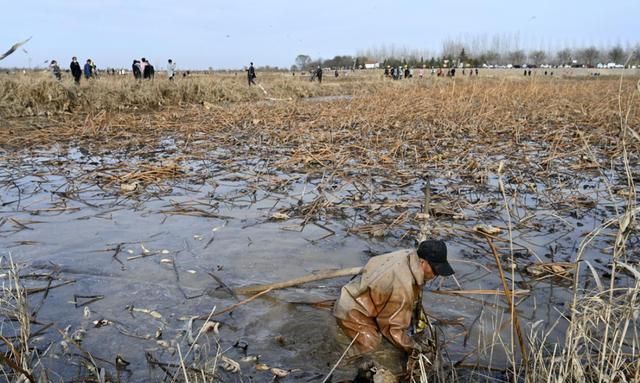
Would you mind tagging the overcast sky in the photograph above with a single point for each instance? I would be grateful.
(229, 34)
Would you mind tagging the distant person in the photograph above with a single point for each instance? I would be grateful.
(94, 69)
(476, 72)
(171, 69)
(453, 72)
(136, 69)
(76, 71)
(386, 71)
(55, 70)
(529, 72)
(406, 71)
(336, 74)
(143, 64)
(525, 73)
(149, 71)
(251, 74)
(87, 69)
(319, 74)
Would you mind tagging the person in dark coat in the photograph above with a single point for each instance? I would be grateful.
(76, 71)
(319, 74)
(149, 71)
(87, 69)
(135, 68)
(251, 75)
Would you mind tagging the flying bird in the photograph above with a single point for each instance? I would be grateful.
(13, 48)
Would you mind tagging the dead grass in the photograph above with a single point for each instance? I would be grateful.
(408, 128)
(18, 360)
(38, 94)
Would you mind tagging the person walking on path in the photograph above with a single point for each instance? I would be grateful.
(76, 71)
(319, 74)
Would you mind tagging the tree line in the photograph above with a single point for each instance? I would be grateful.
(454, 53)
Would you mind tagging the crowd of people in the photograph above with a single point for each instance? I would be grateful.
(398, 72)
(89, 70)
(143, 70)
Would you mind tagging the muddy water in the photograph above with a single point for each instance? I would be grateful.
(141, 253)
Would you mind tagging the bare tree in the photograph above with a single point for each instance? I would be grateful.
(303, 61)
(537, 57)
(490, 57)
(564, 56)
(517, 57)
(451, 49)
(589, 55)
(616, 55)
(503, 49)
(636, 53)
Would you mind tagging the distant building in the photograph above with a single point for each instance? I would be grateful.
(371, 65)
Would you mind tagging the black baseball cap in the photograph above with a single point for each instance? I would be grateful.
(435, 252)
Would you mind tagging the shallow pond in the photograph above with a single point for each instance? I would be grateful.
(152, 258)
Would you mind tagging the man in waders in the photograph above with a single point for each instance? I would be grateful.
(382, 301)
